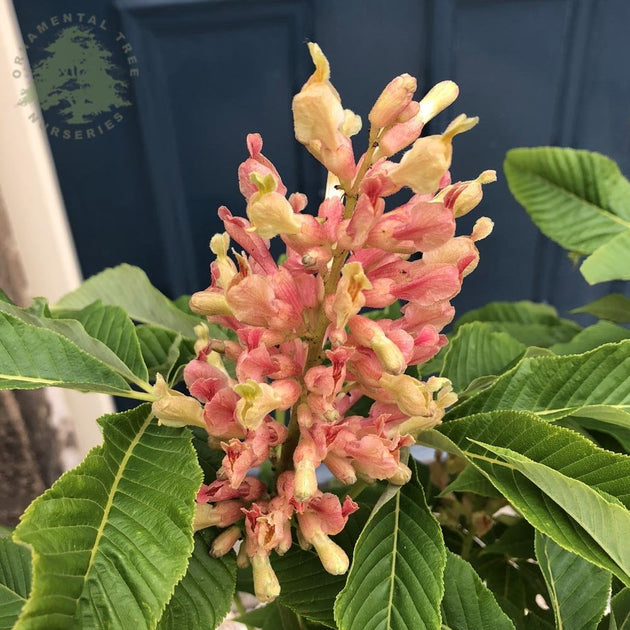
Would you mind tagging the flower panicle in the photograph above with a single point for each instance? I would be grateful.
(303, 347)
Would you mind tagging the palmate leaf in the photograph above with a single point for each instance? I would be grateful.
(578, 590)
(467, 603)
(130, 288)
(569, 472)
(112, 537)
(15, 581)
(476, 350)
(204, 596)
(396, 578)
(594, 384)
(531, 324)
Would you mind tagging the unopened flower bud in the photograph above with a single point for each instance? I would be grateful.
(222, 514)
(266, 585)
(225, 541)
(305, 480)
(175, 409)
(401, 476)
(332, 556)
(341, 468)
(209, 303)
(392, 101)
(409, 393)
(242, 559)
(203, 337)
(437, 99)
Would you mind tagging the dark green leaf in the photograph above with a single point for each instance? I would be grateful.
(15, 581)
(578, 590)
(620, 610)
(204, 596)
(272, 617)
(516, 542)
(467, 603)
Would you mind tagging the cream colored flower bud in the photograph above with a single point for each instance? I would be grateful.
(209, 303)
(437, 99)
(349, 299)
(332, 556)
(392, 101)
(266, 585)
(401, 476)
(409, 393)
(305, 480)
(242, 559)
(225, 541)
(175, 409)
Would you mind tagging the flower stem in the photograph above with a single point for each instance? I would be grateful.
(316, 341)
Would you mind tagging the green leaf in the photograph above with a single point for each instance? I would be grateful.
(467, 603)
(577, 198)
(567, 456)
(475, 351)
(614, 307)
(204, 596)
(112, 326)
(516, 586)
(112, 537)
(164, 350)
(306, 587)
(592, 337)
(594, 384)
(129, 287)
(606, 520)
(33, 356)
(471, 480)
(620, 610)
(531, 324)
(15, 581)
(272, 617)
(610, 261)
(578, 590)
(517, 541)
(396, 577)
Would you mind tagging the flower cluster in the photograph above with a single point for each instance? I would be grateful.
(303, 339)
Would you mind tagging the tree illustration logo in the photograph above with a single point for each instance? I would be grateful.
(81, 87)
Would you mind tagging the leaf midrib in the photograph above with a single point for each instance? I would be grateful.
(110, 500)
(392, 574)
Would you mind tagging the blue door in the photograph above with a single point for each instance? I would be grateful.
(145, 162)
